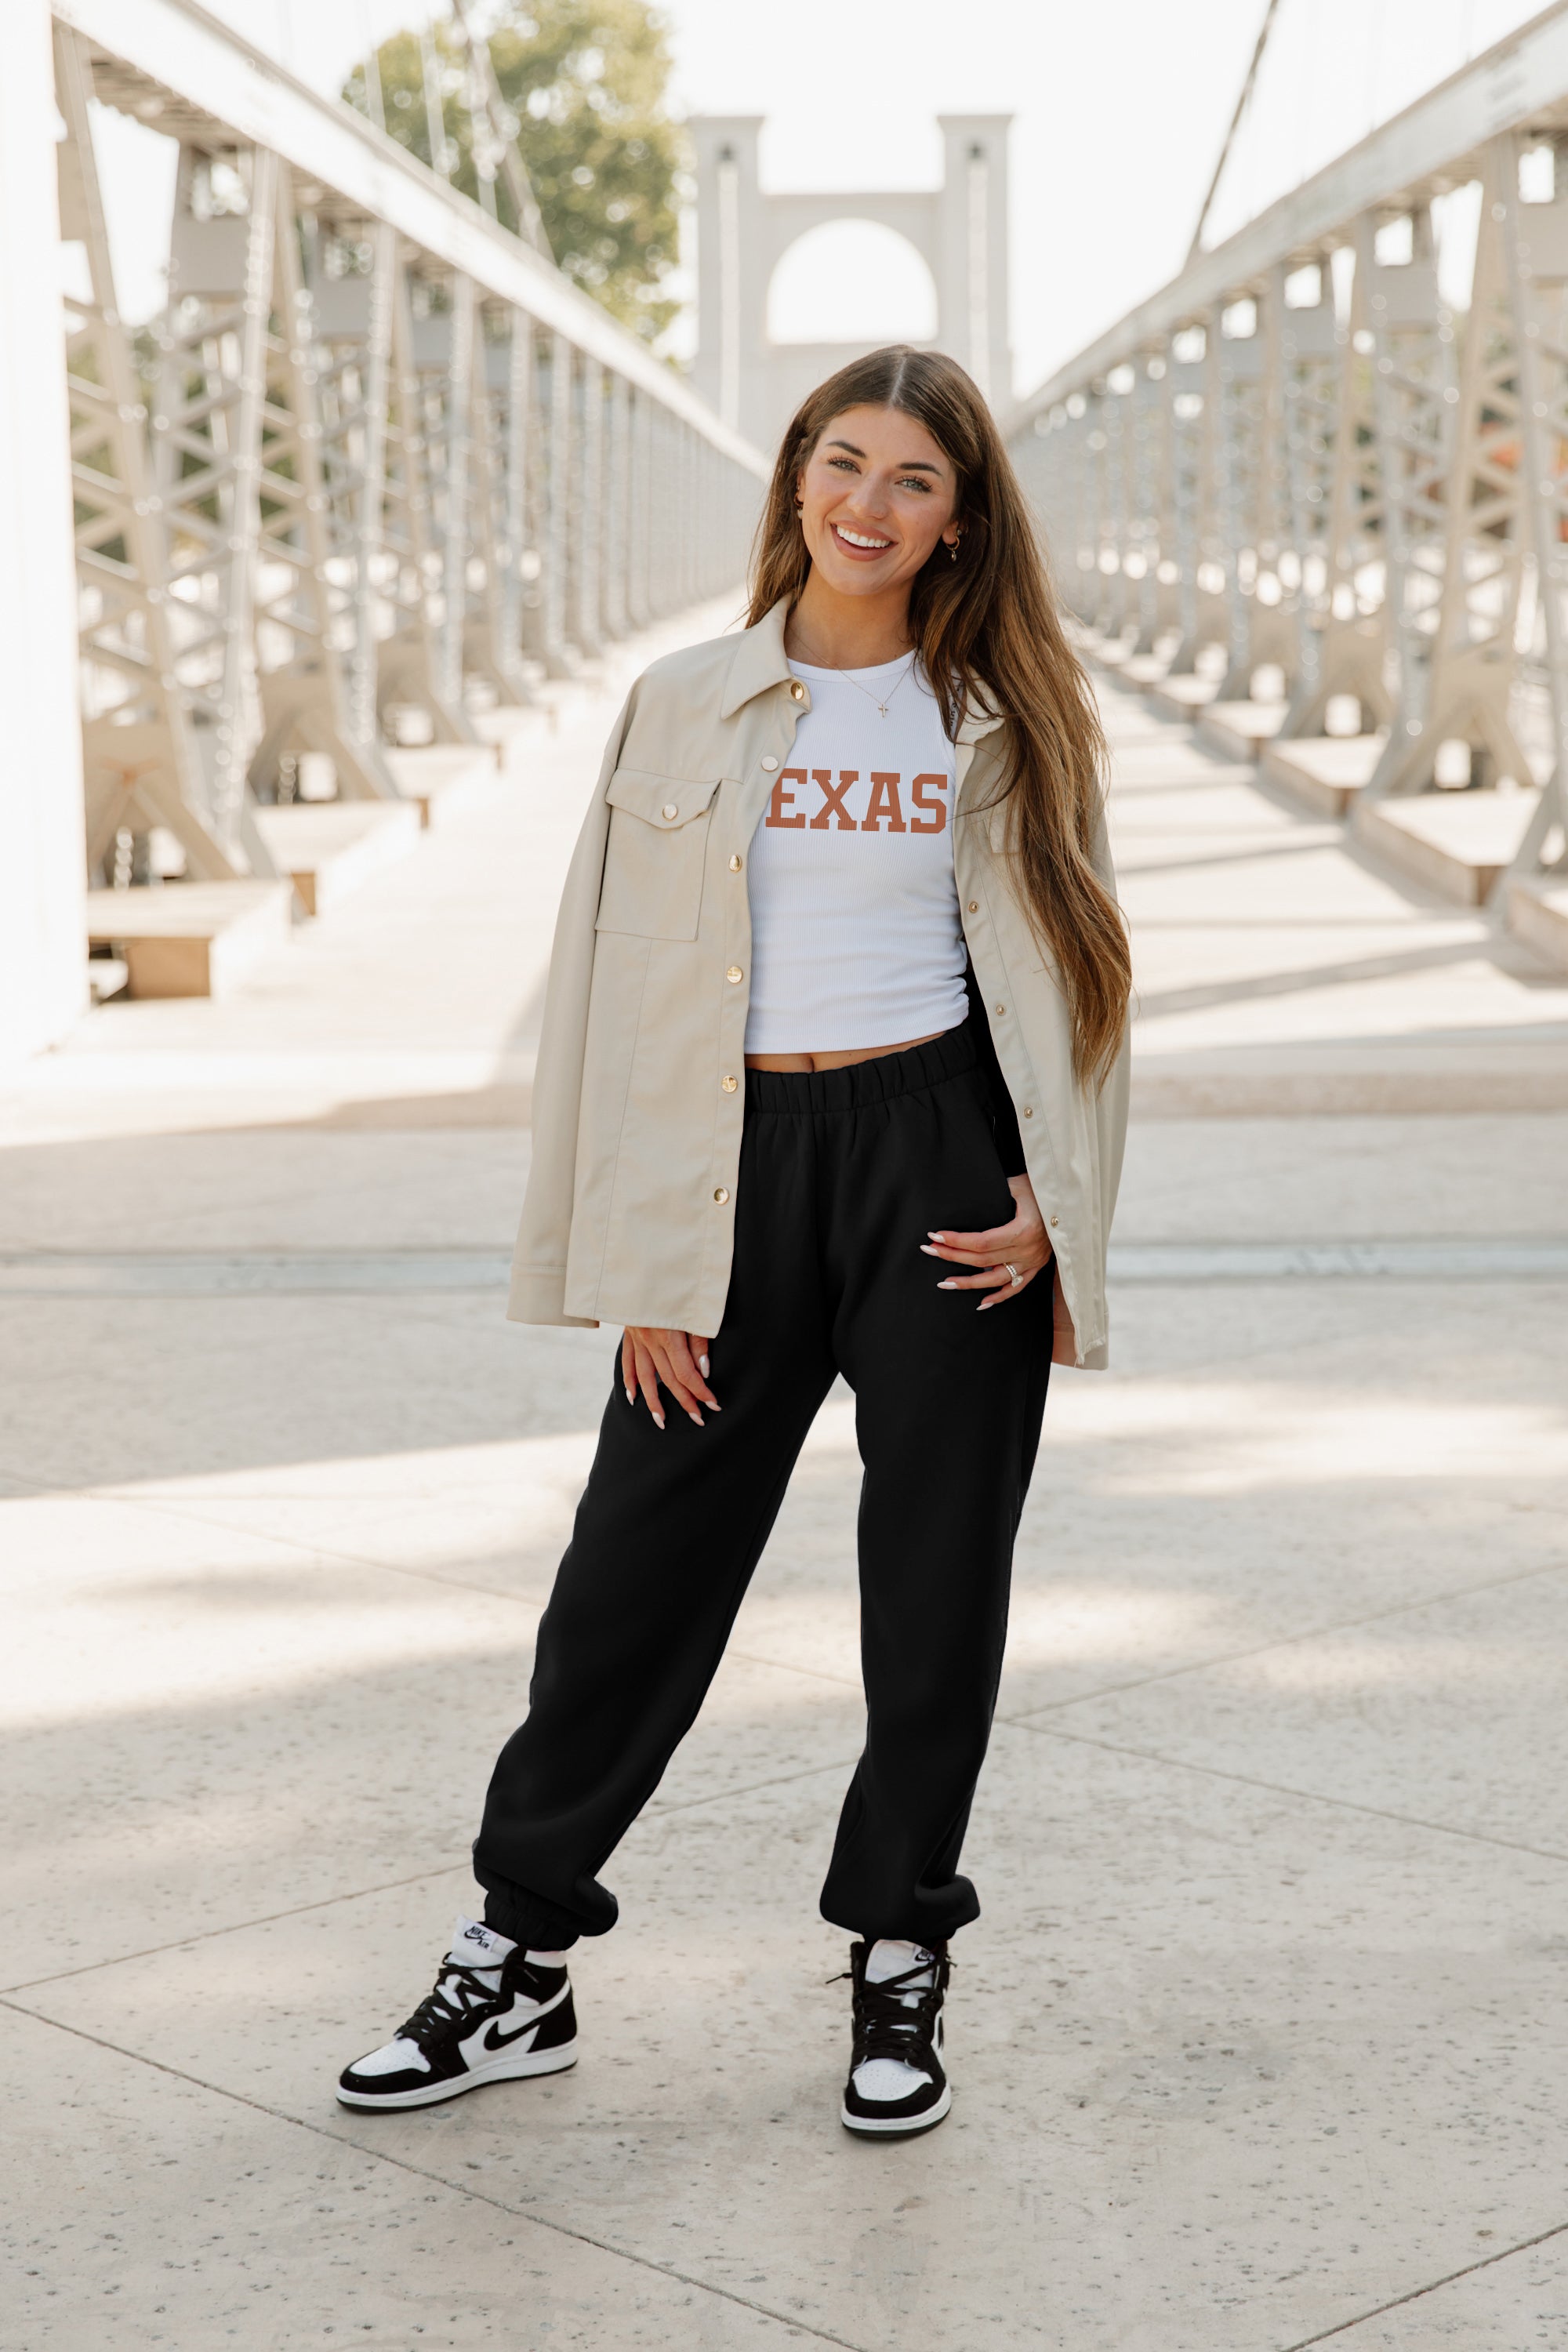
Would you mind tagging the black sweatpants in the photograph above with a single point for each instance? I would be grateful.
(843, 1173)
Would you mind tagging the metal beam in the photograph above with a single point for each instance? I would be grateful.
(178, 47)
(1368, 483)
(1436, 144)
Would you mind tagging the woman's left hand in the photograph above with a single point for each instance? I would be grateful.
(1008, 1257)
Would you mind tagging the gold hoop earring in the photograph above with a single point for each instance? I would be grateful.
(953, 549)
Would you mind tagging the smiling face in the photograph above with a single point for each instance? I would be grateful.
(877, 493)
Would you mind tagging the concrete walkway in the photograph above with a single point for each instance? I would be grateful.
(1263, 2038)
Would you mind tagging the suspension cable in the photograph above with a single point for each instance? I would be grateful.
(503, 129)
(1242, 104)
(435, 111)
(375, 93)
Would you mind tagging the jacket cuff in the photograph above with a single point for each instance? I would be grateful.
(538, 1295)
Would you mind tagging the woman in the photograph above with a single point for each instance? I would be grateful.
(858, 854)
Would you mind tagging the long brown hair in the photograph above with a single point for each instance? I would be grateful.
(986, 628)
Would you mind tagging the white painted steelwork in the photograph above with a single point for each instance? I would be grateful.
(1298, 467)
(385, 454)
(743, 232)
(43, 974)
(212, 80)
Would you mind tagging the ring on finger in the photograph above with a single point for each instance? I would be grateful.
(1012, 1270)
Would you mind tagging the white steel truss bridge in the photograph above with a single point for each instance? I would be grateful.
(1312, 489)
(376, 449)
(383, 451)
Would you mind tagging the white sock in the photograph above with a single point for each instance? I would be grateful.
(487, 1951)
(484, 1950)
(890, 2078)
(890, 1958)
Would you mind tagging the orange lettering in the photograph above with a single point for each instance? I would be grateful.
(831, 800)
(884, 803)
(782, 800)
(937, 809)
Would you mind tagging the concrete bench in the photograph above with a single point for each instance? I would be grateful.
(1325, 773)
(190, 939)
(1237, 730)
(1183, 697)
(1537, 912)
(106, 978)
(511, 727)
(329, 847)
(1456, 843)
(439, 778)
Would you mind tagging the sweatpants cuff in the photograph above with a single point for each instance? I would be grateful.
(531, 1920)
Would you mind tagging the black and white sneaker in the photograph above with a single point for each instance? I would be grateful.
(897, 2085)
(494, 2014)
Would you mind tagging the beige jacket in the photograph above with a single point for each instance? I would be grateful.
(639, 1089)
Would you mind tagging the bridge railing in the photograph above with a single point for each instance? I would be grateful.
(1304, 472)
(377, 450)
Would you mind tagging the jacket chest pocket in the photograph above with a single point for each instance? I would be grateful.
(654, 856)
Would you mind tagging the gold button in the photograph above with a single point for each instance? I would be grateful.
(671, 811)
(736, 863)
(728, 1085)
(1028, 1110)
(734, 972)
(769, 763)
(975, 906)
(797, 691)
(721, 1194)
(1001, 1008)
(1055, 1221)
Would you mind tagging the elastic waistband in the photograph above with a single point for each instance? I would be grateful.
(863, 1083)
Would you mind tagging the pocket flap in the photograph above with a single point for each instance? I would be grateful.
(668, 801)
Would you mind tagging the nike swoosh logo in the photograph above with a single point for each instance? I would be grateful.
(495, 2040)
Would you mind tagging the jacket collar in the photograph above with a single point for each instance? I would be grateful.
(760, 661)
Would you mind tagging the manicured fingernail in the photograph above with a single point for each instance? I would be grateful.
(696, 1417)
(933, 1237)
(927, 1251)
(947, 1285)
(702, 1366)
(658, 1421)
(631, 1396)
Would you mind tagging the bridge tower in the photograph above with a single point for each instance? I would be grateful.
(959, 229)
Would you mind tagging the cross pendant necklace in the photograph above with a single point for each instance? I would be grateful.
(881, 707)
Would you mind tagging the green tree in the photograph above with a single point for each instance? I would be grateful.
(585, 81)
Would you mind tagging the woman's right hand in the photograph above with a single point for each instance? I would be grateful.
(650, 1354)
